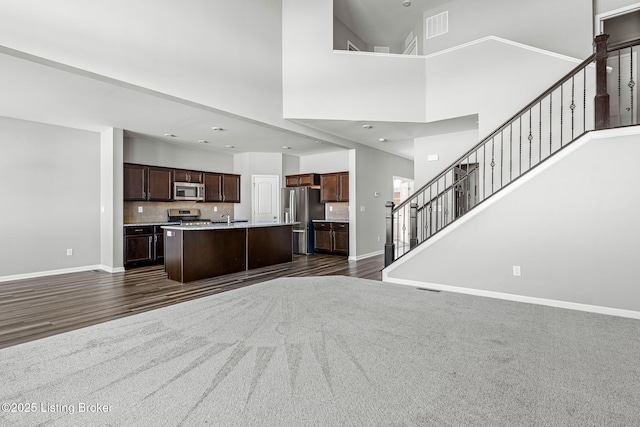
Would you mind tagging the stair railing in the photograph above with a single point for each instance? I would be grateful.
(576, 104)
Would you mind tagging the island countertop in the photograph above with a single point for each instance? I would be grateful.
(224, 225)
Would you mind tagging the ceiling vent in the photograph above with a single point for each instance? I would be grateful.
(437, 25)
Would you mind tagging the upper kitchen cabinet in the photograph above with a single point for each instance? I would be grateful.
(221, 188)
(159, 188)
(135, 182)
(302, 180)
(334, 187)
(146, 183)
(231, 188)
(212, 187)
(187, 176)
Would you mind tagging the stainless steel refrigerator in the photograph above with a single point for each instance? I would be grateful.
(302, 204)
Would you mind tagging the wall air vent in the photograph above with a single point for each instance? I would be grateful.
(437, 25)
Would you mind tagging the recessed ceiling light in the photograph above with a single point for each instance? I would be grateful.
(406, 3)
(230, 146)
(169, 135)
(367, 126)
(216, 128)
(286, 147)
(203, 141)
(382, 139)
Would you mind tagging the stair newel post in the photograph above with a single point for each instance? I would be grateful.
(413, 224)
(601, 101)
(389, 246)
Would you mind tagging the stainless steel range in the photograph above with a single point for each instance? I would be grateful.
(187, 217)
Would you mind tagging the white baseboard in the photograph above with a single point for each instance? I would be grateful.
(111, 269)
(519, 298)
(60, 271)
(364, 256)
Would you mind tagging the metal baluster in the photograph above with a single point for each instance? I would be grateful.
(444, 211)
(550, 123)
(520, 150)
(573, 107)
(561, 114)
(540, 131)
(510, 151)
(493, 163)
(501, 157)
(619, 90)
(530, 137)
(484, 171)
(631, 86)
(584, 100)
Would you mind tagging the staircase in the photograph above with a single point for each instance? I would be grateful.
(600, 93)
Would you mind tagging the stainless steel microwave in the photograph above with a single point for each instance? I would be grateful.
(188, 191)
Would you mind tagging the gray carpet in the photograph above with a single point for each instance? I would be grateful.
(332, 351)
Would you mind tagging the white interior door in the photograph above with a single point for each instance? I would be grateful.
(265, 198)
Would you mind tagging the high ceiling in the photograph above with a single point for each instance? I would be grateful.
(48, 92)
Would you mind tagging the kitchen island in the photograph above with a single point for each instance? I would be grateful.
(194, 252)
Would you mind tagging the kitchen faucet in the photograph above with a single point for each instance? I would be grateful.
(228, 218)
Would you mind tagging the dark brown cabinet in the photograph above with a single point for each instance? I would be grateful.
(187, 176)
(146, 183)
(220, 187)
(302, 180)
(212, 187)
(231, 188)
(158, 244)
(154, 183)
(334, 187)
(143, 245)
(331, 237)
(135, 182)
(159, 185)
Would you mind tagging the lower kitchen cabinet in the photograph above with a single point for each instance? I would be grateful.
(143, 245)
(331, 237)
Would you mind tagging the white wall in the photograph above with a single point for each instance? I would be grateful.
(321, 84)
(247, 164)
(448, 147)
(111, 200)
(602, 6)
(50, 192)
(503, 79)
(216, 53)
(336, 161)
(374, 172)
(341, 34)
(559, 26)
(154, 152)
(571, 246)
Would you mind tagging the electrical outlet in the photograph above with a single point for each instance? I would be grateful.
(140, 209)
(517, 271)
(363, 208)
(69, 252)
(330, 208)
(378, 238)
(215, 209)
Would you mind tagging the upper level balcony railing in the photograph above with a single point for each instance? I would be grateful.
(599, 93)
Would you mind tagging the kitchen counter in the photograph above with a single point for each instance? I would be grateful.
(343, 221)
(194, 252)
(224, 225)
(144, 224)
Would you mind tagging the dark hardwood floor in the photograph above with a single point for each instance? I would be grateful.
(36, 308)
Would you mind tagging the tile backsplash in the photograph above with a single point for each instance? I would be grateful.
(336, 211)
(157, 211)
